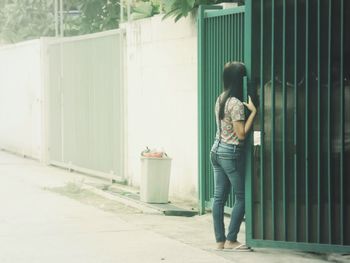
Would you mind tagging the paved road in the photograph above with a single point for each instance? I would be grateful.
(40, 225)
(47, 217)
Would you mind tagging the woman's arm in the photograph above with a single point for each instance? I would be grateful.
(242, 128)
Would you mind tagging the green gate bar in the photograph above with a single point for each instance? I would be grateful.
(262, 118)
(284, 120)
(295, 112)
(318, 121)
(201, 103)
(306, 120)
(342, 121)
(329, 94)
(248, 60)
(273, 106)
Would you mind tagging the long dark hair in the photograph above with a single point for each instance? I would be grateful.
(233, 84)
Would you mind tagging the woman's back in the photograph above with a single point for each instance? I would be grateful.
(234, 111)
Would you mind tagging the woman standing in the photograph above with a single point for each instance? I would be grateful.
(227, 154)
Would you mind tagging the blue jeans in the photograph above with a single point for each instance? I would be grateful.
(227, 161)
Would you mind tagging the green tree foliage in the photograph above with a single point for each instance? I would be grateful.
(143, 9)
(182, 8)
(27, 19)
(95, 16)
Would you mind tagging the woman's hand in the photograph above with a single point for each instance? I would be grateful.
(250, 105)
(242, 128)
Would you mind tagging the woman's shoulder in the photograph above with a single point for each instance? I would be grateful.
(233, 101)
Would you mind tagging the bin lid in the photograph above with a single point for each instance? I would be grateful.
(156, 158)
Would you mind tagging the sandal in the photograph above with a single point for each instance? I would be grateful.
(236, 246)
(242, 248)
(220, 246)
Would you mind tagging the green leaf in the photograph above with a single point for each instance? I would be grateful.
(169, 14)
(177, 18)
(191, 3)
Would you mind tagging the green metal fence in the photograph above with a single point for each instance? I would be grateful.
(221, 39)
(297, 54)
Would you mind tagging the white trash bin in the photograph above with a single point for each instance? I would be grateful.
(155, 178)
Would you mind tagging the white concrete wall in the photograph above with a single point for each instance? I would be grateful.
(161, 85)
(21, 99)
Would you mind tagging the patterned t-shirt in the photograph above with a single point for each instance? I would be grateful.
(234, 111)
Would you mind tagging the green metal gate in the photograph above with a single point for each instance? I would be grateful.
(221, 34)
(297, 54)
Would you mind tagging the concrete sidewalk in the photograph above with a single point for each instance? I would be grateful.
(47, 215)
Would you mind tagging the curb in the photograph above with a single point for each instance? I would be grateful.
(121, 199)
(133, 200)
